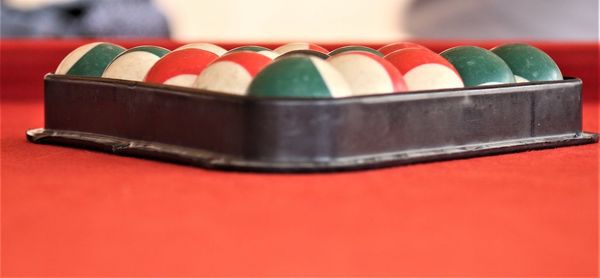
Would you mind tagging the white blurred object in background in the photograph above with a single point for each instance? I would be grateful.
(31, 4)
(324, 21)
(285, 20)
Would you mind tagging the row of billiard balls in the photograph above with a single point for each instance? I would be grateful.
(309, 70)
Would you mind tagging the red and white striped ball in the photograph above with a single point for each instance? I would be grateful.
(399, 46)
(219, 51)
(232, 73)
(300, 46)
(368, 74)
(180, 67)
(425, 70)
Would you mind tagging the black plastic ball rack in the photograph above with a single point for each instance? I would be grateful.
(215, 130)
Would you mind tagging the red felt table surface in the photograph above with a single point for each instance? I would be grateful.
(73, 212)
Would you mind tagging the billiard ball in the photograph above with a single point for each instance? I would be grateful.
(134, 63)
(219, 51)
(368, 74)
(232, 73)
(528, 63)
(299, 46)
(180, 67)
(258, 49)
(387, 49)
(355, 48)
(478, 66)
(89, 60)
(306, 52)
(425, 70)
(299, 77)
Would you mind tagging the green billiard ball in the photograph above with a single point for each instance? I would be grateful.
(89, 60)
(299, 77)
(478, 66)
(528, 63)
(355, 48)
(258, 49)
(305, 52)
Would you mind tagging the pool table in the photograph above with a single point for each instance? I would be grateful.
(74, 212)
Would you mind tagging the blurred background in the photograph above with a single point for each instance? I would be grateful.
(307, 20)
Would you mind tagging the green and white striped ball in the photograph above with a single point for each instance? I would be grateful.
(89, 60)
(355, 48)
(299, 77)
(304, 52)
(134, 63)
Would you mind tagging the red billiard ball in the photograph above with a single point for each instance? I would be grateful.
(368, 74)
(180, 67)
(232, 73)
(425, 70)
(399, 46)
